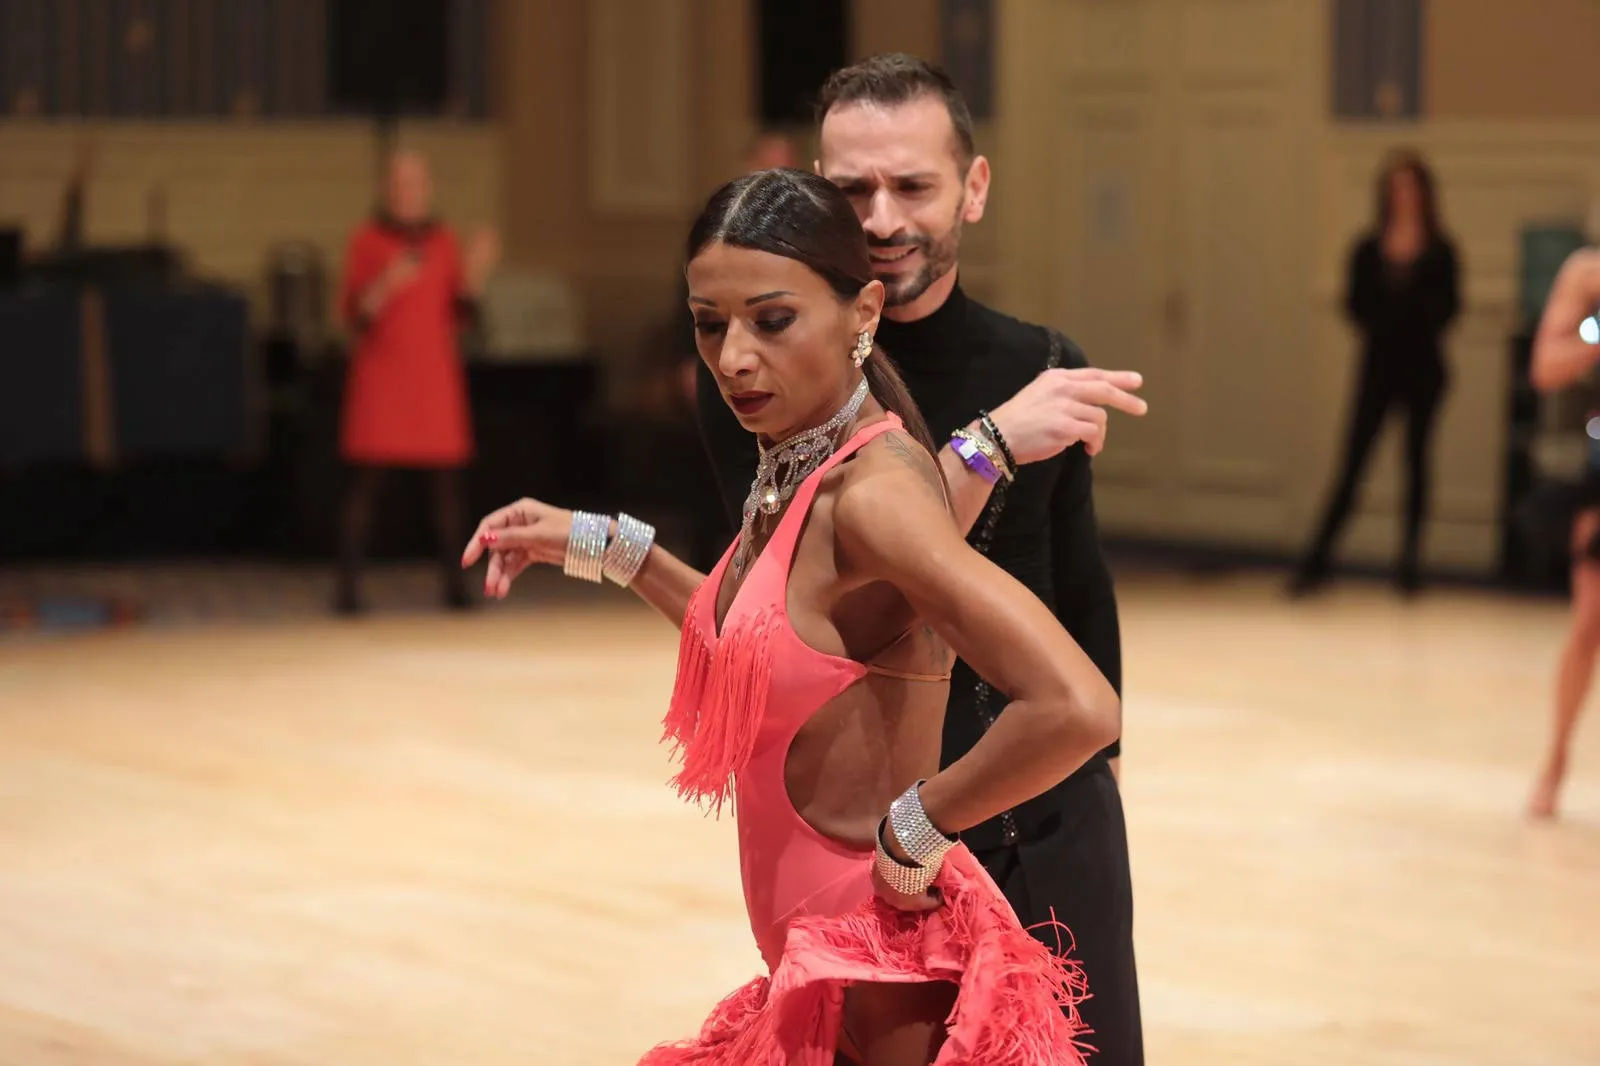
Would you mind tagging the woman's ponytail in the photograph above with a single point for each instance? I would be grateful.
(889, 389)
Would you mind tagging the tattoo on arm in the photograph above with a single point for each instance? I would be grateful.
(917, 458)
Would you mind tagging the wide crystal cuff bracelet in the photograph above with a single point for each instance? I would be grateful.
(919, 838)
(628, 549)
(586, 546)
(906, 880)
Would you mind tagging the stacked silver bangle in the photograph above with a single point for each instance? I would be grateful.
(586, 546)
(919, 838)
(628, 550)
(594, 555)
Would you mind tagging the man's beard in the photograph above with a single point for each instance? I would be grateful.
(938, 258)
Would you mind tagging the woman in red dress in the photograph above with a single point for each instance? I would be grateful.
(406, 289)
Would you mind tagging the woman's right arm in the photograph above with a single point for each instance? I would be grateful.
(893, 526)
(1560, 355)
(528, 531)
(665, 582)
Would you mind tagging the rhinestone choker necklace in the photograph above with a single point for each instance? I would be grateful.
(784, 466)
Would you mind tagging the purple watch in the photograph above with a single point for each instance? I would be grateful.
(973, 457)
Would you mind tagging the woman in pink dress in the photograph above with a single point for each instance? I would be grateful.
(813, 668)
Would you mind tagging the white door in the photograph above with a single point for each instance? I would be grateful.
(1176, 180)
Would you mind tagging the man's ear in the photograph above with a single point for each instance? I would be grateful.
(976, 190)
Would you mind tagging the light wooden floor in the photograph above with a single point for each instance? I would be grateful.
(446, 840)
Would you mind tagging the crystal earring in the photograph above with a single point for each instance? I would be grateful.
(863, 348)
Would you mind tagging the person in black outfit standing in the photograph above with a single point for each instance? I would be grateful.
(1403, 292)
(897, 139)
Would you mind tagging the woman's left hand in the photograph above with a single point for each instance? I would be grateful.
(930, 900)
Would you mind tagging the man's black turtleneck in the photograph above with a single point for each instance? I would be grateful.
(963, 358)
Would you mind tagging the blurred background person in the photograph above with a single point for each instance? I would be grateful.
(1562, 356)
(406, 291)
(1402, 294)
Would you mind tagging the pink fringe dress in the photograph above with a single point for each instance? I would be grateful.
(740, 697)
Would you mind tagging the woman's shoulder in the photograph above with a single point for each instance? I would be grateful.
(891, 481)
(891, 460)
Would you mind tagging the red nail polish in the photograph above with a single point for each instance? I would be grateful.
(490, 538)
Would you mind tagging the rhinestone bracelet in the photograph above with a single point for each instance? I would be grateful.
(906, 880)
(586, 546)
(628, 549)
(920, 839)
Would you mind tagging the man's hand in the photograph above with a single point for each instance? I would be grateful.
(1061, 407)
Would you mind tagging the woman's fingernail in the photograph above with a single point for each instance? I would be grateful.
(489, 538)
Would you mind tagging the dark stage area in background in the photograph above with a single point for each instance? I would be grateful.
(536, 435)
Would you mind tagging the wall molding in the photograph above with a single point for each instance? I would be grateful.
(640, 86)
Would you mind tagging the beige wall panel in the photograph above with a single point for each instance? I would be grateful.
(233, 190)
(1509, 59)
(639, 94)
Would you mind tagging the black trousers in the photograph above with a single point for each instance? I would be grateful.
(1075, 871)
(361, 497)
(1416, 391)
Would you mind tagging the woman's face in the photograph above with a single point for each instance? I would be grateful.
(776, 336)
(1405, 195)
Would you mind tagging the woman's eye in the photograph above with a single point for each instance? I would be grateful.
(708, 326)
(776, 324)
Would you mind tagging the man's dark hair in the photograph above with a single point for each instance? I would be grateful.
(893, 78)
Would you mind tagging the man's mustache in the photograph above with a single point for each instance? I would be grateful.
(895, 242)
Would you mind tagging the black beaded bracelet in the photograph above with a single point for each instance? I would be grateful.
(1000, 442)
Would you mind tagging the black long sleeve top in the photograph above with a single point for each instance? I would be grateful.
(963, 358)
(1402, 312)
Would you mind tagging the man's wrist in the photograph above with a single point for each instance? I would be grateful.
(997, 438)
(980, 449)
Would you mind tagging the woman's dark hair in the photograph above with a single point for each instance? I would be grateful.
(1409, 161)
(802, 216)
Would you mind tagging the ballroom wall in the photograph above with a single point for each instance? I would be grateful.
(1173, 188)
(1181, 195)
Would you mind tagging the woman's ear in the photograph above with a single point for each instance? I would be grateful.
(869, 306)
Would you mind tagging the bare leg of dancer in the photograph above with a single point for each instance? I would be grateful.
(1577, 663)
(896, 1025)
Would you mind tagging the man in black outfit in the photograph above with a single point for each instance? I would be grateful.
(897, 138)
